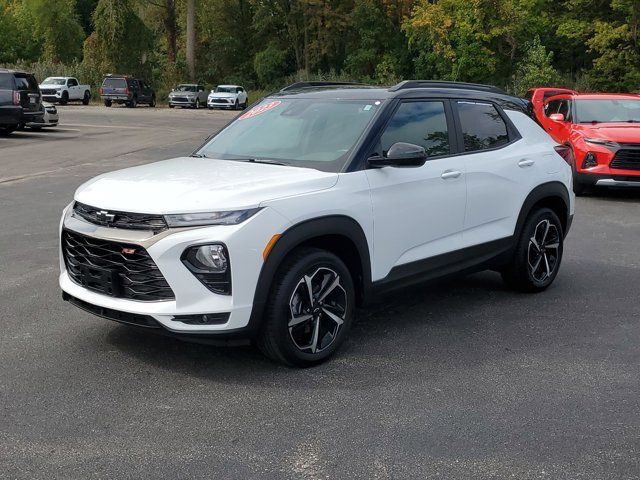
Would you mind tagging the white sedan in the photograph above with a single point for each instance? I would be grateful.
(50, 118)
(228, 96)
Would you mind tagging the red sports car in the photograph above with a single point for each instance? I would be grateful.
(603, 131)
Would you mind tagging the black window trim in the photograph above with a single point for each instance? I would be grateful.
(448, 111)
(512, 132)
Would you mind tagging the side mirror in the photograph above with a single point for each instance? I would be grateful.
(400, 155)
(557, 117)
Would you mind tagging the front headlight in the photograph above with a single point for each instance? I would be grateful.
(232, 217)
(600, 141)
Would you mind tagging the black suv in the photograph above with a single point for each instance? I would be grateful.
(128, 90)
(20, 100)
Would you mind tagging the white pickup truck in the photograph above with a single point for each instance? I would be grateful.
(64, 89)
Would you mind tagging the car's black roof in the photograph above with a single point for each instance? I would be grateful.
(407, 89)
(6, 70)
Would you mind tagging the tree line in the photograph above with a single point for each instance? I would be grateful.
(262, 44)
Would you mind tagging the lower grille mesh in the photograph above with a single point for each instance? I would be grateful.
(112, 268)
(626, 159)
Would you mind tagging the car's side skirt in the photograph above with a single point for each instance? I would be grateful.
(466, 260)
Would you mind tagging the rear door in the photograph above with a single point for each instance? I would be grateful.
(28, 91)
(500, 167)
(115, 87)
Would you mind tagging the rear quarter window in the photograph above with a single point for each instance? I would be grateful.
(6, 81)
(482, 126)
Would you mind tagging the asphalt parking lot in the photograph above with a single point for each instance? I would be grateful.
(462, 379)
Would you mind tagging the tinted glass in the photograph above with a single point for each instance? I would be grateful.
(114, 83)
(482, 126)
(186, 88)
(420, 123)
(26, 82)
(72, 83)
(625, 110)
(313, 133)
(565, 109)
(6, 81)
(225, 90)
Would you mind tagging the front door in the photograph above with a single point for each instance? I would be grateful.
(418, 212)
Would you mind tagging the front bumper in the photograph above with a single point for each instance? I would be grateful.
(244, 242)
(625, 180)
(217, 104)
(182, 103)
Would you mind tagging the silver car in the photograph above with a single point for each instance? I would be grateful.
(188, 95)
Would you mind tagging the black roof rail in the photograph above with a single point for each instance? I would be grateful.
(311, 84)
(444, 84)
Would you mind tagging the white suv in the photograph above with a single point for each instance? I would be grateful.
(314, 201)
(228, 96)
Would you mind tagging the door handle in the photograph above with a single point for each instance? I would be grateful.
(526, 163)
(448, 174)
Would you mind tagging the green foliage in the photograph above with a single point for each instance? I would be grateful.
(263, 44)
(59, 28)
(270, 65)
(535, 69)
(120, 41)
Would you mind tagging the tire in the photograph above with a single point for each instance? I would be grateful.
(133, 103)
(65, 98)
(37, 129)
(533, 268)
(8, 130)
(245, 104)
(210, 108)
(318, 332)
(107, 103)
(153, 102)
(86, 98)
(171, 106)
(197, 106)
(237, 105)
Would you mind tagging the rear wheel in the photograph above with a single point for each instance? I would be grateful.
(133, 103)
(538, 253)
(310, 309)
(6, 130)
(153, 101)
(86, 98)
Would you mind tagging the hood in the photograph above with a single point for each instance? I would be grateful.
(188, 184)
(222, 95)
(615, 132)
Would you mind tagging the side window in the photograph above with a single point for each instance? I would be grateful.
(482, 126)
(422, 123)
(551, 107)
(565, 109)
(26, 83)
(6, 81)
(72, 82)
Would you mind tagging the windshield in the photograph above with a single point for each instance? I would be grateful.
(225, 89)
(608, 111)
(313, 133)
(53, 81)
(186, 88)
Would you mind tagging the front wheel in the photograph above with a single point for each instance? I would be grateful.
(538, 253)
(153, 102)
(6, 130)
(64, 99)
(107, 103)
(197, 106)
(133, 103)
(310, 309)
(237, 105)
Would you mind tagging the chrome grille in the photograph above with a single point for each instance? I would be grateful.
(116, 219)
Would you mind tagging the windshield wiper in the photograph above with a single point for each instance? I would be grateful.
(259, 160)
(198, 155)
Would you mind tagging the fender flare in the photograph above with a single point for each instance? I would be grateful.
(295, 236)
(550, 190)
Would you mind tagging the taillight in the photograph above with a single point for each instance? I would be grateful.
(126, 91)
(16, 97)
(565, 152)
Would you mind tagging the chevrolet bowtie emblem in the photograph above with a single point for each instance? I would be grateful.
(104, 216)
